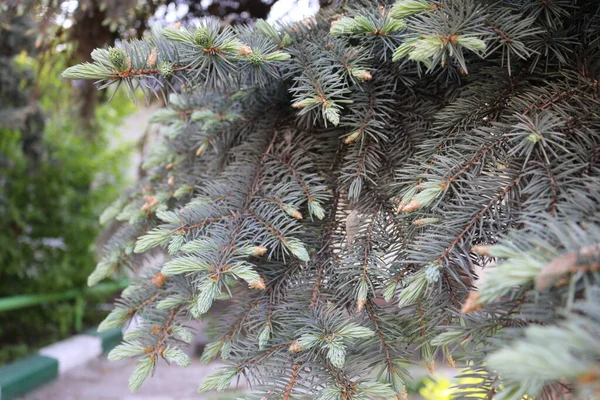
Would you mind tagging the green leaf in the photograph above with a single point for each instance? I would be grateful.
(199, 245)
(111, 211)
(125, 350)
(88, 71)
(211, 350)
(521, 270)
(336, 354)
(451, 336)
(297, 248)
(156, 237)
(244, 271)
(177, 356)
(170, 302)
(264, 336)
(115, 319)
(362, 292)
(267, 29)
(175, 245)
(390, 291)
(183, 333)
(308, 340)
(225, 349)
(179, 35)
(470, 42)
(182, 191)
(185, 264)
(218, 380)
(403, 51)
(170, 217)
(354, 331)
(144, 367)
(103, 270)
(209, 290)
(315, 208)
(425, 48)
(377, 389)
(407, 8)
(277, 56)
(332, 114)
(413, 291)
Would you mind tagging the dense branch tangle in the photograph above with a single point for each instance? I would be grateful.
(358, 170)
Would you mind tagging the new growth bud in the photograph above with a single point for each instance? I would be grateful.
(201, 149)
(304, 103)
(481, 249)
(152, 57)
(295, 347)
(362, 74)
(158, 280)
(407, 8)
(411, 206)
(244, 51)
(257, 284)
(471, 303)
(426, 221)
(353, 136)
(259, 251)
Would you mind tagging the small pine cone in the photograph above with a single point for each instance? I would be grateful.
(202, 37)
(156, 329)
(256, 58)
(118, 58)
(165, 69)
(171, 180)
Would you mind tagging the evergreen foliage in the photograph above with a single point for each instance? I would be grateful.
(53, 186)
(359, 171)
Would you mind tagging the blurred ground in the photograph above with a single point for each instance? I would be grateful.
(104, 380)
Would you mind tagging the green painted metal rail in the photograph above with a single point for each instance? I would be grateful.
(30, 300)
